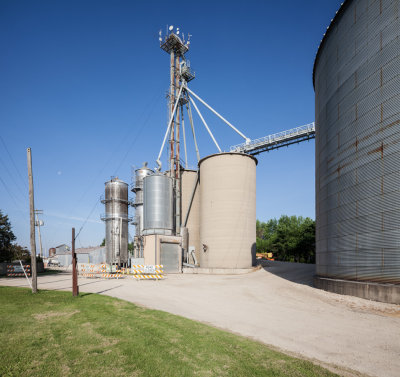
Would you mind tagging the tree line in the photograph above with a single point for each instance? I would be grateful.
(290, 238)
(9, 250)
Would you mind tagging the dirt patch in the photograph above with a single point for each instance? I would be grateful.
(44, 316)
(65, 370)
(103, 341)
(387, 313)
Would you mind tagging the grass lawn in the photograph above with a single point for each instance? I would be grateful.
(54, 334)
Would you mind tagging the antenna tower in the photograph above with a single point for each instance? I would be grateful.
(175, 45)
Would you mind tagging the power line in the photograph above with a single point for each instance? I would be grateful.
(15, 166)
(9, 193)
(12, 177)
(90, 214)
(135, 140)
(126, 154)
(149, 104)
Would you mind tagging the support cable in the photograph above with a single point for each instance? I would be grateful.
(184, 139)
(168, 128)
(218, 115)
(189, 110)
(205, 124)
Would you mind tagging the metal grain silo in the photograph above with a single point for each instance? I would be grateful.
(157, 205)
(189, 182)
(227, 210)
(357, 107)
(116, 218)
(137, 188)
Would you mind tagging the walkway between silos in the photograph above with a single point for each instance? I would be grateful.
(278, 308)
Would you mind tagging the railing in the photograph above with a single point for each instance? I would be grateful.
(103, 200)
(115, 216)
(276, 139)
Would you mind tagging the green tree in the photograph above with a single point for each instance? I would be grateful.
(290, 238)
(6, 238)
(22, 253)
(103, 243)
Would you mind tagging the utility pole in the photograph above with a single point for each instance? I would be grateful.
(32, 222)
(75, 289)
(39, 223)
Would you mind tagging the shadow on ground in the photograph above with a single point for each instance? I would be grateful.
(300, 273)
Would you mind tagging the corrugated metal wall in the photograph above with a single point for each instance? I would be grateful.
(64, 260)
(98, 256)
(83, 258)
(357, 98)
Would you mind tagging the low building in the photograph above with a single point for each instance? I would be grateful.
(92, 255)
(62, 249)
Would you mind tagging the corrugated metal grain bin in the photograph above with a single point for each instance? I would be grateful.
(357, 99)
(157, 205)
(227, 210)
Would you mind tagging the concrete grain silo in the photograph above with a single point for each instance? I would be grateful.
(357, 104)
(227, 210)
(192, 203)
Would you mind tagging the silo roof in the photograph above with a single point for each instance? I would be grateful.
(335, 19)
(229, 153)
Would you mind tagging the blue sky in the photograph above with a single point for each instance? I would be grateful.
(83, 84)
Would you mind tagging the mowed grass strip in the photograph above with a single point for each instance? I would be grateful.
(53, 334)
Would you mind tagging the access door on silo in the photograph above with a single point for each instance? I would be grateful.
(170, 254)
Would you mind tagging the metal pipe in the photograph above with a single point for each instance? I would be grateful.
(172, 94)
(191, 199)
(205, 124)
(155, 249)
(177, 158)
(189, 110)
(184, 139)
(166, 133)
(219, 115)
(120, 241)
